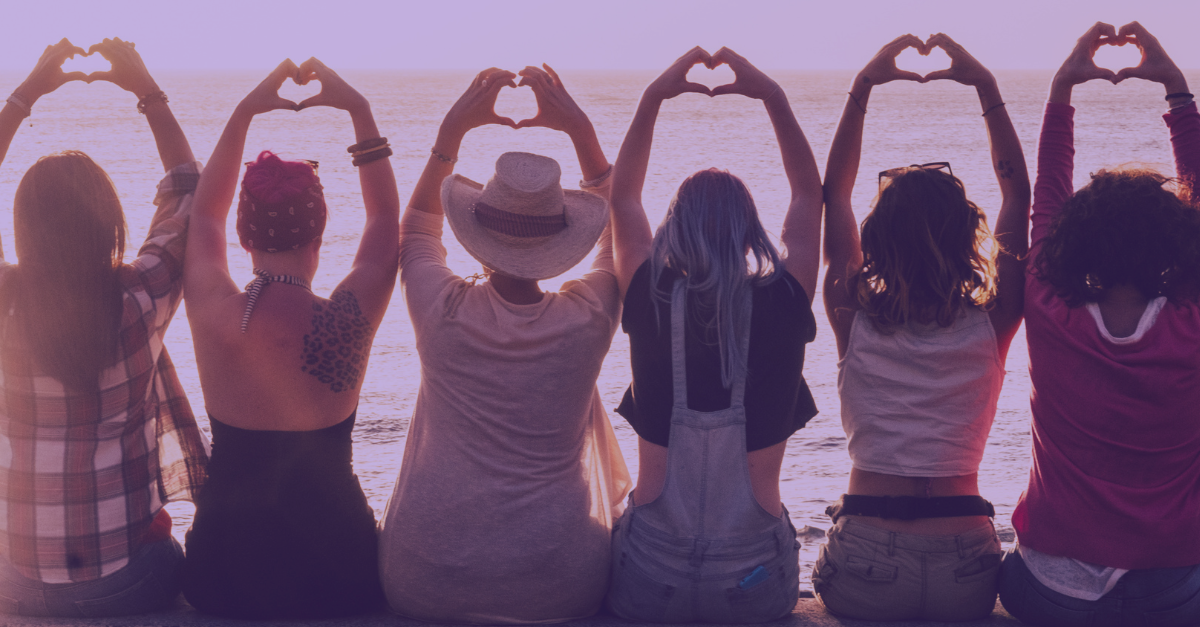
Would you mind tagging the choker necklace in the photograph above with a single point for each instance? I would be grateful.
(261, 279)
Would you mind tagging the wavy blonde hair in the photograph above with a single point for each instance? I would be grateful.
(924, 258)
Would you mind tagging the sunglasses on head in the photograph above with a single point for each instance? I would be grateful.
(315, 164)
(936, 165)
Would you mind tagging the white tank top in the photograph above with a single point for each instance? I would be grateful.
(919, 402)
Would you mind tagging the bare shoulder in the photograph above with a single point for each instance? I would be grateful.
(337, 346)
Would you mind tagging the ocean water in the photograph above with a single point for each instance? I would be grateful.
(907, 123)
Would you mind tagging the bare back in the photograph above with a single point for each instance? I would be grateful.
(299, 365)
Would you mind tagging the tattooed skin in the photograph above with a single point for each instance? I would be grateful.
(1005, 169)
(336, 349)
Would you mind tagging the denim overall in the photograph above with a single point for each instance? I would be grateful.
(704, 550)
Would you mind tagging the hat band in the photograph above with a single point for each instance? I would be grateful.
(518, 224)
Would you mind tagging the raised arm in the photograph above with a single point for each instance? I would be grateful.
(1156, 66)
(129, 73)
(843, 252)
(801, 234)
(475, 108)
(631, 229)
(557, 110)
(1056, 145)
(206, 271)
(373, 275)
(47, 76)
(1008, 162)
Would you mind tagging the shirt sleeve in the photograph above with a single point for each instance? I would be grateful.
(423, 270)
(1055, 169)
(159, 264)
(1184, 124)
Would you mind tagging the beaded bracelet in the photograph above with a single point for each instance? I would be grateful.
(150, 98)
(367, 144)
(373, 155)
(443, 158)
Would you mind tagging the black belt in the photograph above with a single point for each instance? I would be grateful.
(910, 507)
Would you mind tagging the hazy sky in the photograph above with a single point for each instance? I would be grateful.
(641, 34)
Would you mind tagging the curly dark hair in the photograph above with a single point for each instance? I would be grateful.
(1125, 227)
(922, 257)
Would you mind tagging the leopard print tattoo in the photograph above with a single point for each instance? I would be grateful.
(335, 352)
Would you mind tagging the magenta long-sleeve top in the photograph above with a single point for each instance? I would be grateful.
(1116, 426)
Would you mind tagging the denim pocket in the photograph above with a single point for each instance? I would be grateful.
(635, 595)
(870, 570)
(767, 600)
(981, 567)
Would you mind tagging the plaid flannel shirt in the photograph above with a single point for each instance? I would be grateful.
(82, 477)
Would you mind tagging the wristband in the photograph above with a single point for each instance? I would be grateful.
(367, 144)
(20, 102)
(149, 99)
(1182, 94)
(373, 155)
(990, 109)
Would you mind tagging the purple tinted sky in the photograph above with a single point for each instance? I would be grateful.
(619, 34)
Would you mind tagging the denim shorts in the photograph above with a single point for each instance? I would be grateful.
(660, 578)
(148, 583)
(867, 573)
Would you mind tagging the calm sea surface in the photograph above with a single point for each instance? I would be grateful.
(907, 123)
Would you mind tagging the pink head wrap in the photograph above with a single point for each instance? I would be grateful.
(281, 206)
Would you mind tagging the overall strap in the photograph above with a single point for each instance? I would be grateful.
(678, 345)
(737, 393)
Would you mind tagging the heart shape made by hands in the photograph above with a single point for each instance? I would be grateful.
(1114, 56)
(516, 104)
(291, 90)
(86, 63)
(719, 74)
(923, 62)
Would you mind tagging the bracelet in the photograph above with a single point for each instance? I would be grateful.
(149, 99)
(864, 109)
(990, 109)
(1182, 94)
(443, 158)
(598, 181)
(367, 144)
(20, 102)
(370, 150)
(375, 155)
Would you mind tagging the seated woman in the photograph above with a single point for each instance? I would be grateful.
(282, 528)
(503, 508)
(717, 348)
(1108, 530)
(96, 432)
(923, 320)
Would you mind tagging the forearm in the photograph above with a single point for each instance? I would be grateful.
(1008, 162)
(841, 171)
(377, 178)
(173, 146)
(634, 157)
(592, 162)
(799, 163)
(218, 184)
(427, 195)
(11, 117)
(1184, 124)
(1055, 167)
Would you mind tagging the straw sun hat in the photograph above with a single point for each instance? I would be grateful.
(523, 223)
